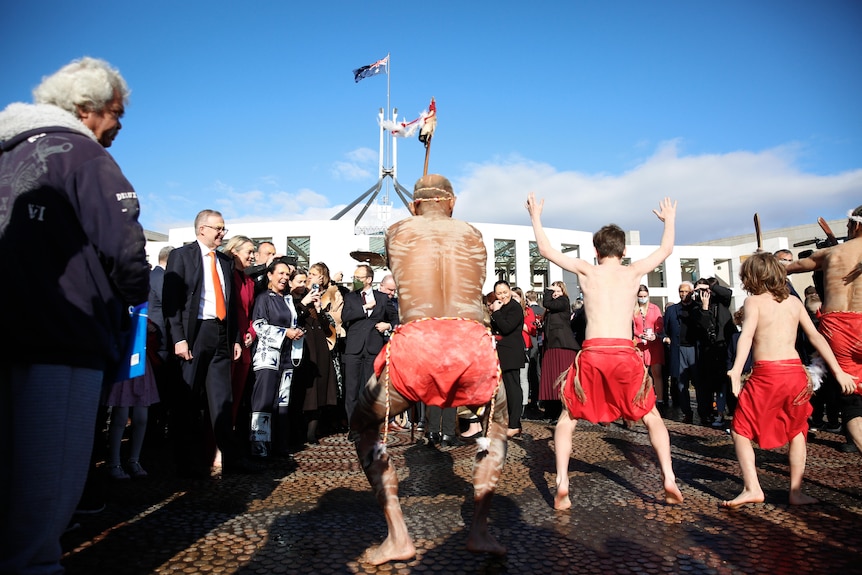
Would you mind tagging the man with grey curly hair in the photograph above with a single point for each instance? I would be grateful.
(63, 196)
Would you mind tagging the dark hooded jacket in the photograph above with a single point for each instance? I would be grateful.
(73, 247)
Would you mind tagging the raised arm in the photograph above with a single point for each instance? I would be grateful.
(666, 212)
(534, 207)
(809, 264)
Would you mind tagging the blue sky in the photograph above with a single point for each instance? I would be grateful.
(602, 108)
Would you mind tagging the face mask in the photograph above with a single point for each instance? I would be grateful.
(643, 300)
(358, 285)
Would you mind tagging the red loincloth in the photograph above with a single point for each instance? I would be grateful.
(445, 362)
(611, 382)
(843, 331)
(766, 412)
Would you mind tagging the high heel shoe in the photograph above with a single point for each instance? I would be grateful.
(472, 438)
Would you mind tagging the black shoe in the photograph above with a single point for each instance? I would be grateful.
(242, 465)
(848, 447)
(832, 428)
(434, 438)
(471, 438)
(451, 441)
(687, 418)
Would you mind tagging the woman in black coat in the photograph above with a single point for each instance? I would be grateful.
(561, 347)
(507, 321)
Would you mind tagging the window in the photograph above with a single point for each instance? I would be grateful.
(656, 277)
(538, 267)
(690, 268)
(504, 260)
(300, 248)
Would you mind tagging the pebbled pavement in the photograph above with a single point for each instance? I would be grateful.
(315, 513)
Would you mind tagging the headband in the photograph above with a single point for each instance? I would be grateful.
(434, 199)
(857, 219)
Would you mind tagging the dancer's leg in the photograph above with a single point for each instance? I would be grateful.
(370, 412)
(797, 454)
(562, 453)
(660, 441)
(486, 473)
(751, 491)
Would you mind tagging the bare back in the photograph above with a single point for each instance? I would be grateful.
(610, 291)
(774, 325)
(438, 264)
(842, 275)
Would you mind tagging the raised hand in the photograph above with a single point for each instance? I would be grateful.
(534, 206)
(667, 209)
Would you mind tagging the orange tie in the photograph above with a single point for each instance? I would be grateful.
(219, 294)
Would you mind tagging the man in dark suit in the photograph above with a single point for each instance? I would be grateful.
(198, 307)
(363, 309)
(157, 346)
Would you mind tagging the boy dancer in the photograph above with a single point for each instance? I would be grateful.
(608, 379)
(773, 406)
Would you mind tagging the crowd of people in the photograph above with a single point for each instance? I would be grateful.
(251, 357)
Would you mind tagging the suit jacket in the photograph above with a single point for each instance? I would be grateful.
(156, 323)
(362, 337)
(672, 330)
(181, 295)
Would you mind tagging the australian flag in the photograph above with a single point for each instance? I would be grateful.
(378, 67)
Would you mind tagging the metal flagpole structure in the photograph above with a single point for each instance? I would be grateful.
(384, 170)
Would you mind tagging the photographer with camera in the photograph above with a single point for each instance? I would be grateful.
(715, 330)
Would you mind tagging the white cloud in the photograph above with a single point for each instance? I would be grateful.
(358, 167)
(717, 193)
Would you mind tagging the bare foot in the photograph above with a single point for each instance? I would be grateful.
(672, 494)
(389, 551)
(799, 498)
(562, 501)
(484, 542)
(743, 498)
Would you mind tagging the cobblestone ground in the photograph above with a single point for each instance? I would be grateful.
(316, 514)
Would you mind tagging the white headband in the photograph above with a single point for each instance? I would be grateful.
(857, 219)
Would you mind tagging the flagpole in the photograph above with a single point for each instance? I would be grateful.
(427, 153)
(388, 108)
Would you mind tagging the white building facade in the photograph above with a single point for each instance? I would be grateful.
(512, 253)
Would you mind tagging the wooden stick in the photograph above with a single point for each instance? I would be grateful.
(830, 237)
(427, 153)
(757, 233)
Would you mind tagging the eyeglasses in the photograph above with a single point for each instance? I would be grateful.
(785, 261)
(359, 277)
(217, 229)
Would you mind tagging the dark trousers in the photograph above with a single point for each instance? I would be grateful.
(687, 375)
(514, 396)
(207, 392)
(442, 420)
(358, 368)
